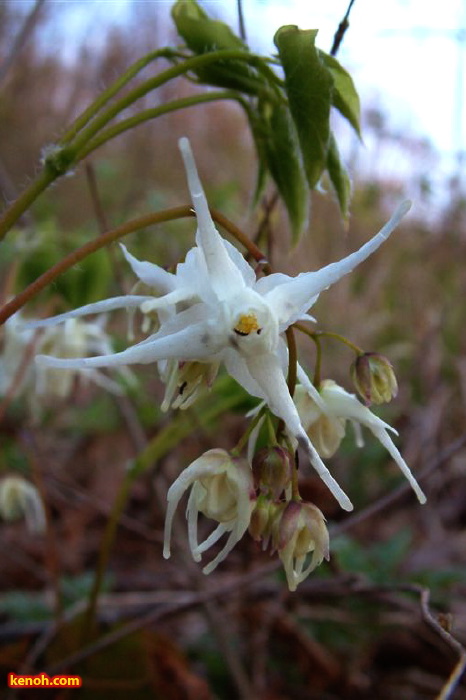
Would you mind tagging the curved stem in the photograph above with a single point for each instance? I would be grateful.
(190, 64)
(329, 334)
(110, 92)
(104, 239)
(24, 201)
(153, 113)
(75, 142)
(342, 339)
(236, 232)
(91, 247)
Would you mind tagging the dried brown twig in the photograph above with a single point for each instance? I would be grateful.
(341, 31)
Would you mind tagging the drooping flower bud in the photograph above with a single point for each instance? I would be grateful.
(374, 378)
(222, 489)
(20, 499)
(272, 468)
(299, 532)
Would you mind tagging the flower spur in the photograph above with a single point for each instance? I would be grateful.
(212, 309)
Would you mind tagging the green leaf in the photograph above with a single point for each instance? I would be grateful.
(345, 96)
(283, 159)
(339, 177)
(200, 32)
(309, 87)
(203, 35)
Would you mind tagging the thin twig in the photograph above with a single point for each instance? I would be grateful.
(454, 678)
(341, 31)
(242, 26)
(449, 639)
(191, 601)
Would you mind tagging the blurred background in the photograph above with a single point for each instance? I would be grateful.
(357, 626)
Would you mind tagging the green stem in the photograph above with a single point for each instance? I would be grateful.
(88, 624)
(24, 201)
(76, 146)
(342, 339)
(190, 64)
(110, 92)
(329, 334)
(153, 113)
(318, 366)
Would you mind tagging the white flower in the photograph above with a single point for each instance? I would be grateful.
(214, 310)
(222, 489)
(328, 429)
(73, 339)
(20, 499)
(299, 532)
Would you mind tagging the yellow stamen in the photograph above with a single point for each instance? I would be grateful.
(247, 323)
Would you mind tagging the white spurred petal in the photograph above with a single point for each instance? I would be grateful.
(192, 343)
(291, 299)
(224, 274)
(267, 372)
(150, 274)
(247, 272)
(168, 300)
(346, 405)
(130, 301)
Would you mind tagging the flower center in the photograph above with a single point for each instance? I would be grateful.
(247, 323)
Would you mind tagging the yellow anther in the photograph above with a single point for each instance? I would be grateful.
(247, 323)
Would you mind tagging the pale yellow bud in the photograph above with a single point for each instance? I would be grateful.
(374, 378)
(299, 534)
(20, 499)
(272, 468)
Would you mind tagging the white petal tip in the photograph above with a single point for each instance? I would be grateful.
(209, 568)
(405, 207)
(421, 497)
(345, 503)
(184, 145)
(166, 553)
